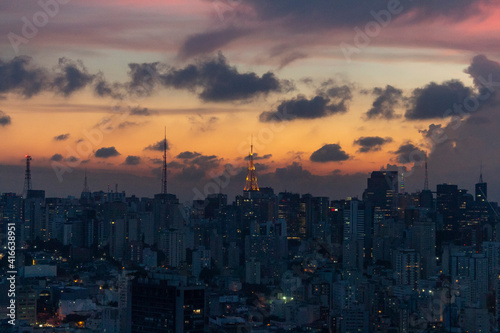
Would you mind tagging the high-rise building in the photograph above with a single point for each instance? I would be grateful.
(447, 204)
(481, 189)
(423, 240)
(252, 271)
(289, 210)
(354, 235)
(407, 267)
(381, 193)
(34, 216)
(167, 303)
(201, 259)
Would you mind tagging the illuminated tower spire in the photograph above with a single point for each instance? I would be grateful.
(164, 167)
(426, 182)
(27, 176)
(402, 182)
(251, 181)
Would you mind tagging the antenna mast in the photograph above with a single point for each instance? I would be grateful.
(164, 167)
(426, 182)
(27, 176)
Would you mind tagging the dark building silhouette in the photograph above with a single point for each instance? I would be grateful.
(447, 205)
(166, 303)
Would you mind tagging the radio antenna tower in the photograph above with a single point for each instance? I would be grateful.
(164, 167)
(27, 177)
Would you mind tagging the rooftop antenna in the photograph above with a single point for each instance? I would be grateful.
(164, 167)
(481, 172)
(426, 182)
(27, 176)
(402, 182)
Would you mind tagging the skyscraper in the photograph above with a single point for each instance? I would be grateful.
(407, 267)
(381, 193)
(167, 303)
(481, 189)
(447, 205)
(354, 235)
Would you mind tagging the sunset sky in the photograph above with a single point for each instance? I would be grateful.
(329, 90)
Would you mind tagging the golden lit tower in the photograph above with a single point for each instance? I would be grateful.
(251, 183)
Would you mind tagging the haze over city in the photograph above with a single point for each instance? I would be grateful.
(329, 92)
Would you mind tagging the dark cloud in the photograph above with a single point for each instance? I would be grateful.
(292, 171)
(434, 134)
(71, 159)
(317, 107)
(61, 137)
(173, 164)
(144, 77)
(200, 123)
(106, 152)
(205, 162)
(158, 146)
(459, 147)
(486, 74)
(72, 76)
(206, 42)
(188, 154)
(4, 119)
(191, 174)
(56, 157)
(214, 80)
(21, 76)
(437, 100)
(137, 111)
(102, 88)
(126, 124)
(256, 157)
(409, 153)
(329, 153)
(261, 167)
(387, 99)
(299, 15)
(132, 160)
(371, 143)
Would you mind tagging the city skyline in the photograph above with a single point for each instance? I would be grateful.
(328, 92)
